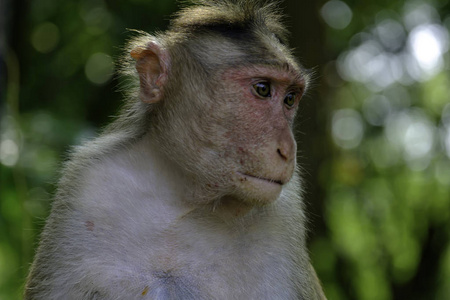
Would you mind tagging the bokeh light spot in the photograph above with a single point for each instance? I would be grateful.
(336, 14)
(97, 19)
(45, 37)
(9, 152)
(391, 34)
(413, 133)
(376, 110)
(99, 68)
(417, 13)
(418, 139)
(347, 128)
(428, 43)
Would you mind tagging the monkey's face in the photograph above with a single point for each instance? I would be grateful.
(255, 115)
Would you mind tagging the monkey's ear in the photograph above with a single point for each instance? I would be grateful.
(152, 64)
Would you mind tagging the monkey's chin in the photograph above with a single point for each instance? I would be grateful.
(259, 190)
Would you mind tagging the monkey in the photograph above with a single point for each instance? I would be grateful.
(193, 191)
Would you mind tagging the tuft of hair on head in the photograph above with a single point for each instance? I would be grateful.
(230, 17)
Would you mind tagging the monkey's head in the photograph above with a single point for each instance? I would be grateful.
(224, 89)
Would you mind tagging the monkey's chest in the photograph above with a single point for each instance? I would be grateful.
(219, 281)
(166, 285)
(200, 259)
(219, 270)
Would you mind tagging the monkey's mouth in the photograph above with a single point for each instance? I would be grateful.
(269, 180)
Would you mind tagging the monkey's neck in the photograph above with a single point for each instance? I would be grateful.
(229, 207)
(171, 186)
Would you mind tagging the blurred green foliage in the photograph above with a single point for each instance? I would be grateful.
(383, 126)
(387, 205)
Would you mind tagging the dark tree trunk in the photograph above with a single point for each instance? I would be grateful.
(308, 41)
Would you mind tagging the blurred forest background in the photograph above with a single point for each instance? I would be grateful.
(374, 133)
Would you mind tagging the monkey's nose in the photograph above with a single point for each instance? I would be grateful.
(286, 147)
(286, 155)
(282, 154)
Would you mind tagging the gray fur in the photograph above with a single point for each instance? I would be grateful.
(153, 208)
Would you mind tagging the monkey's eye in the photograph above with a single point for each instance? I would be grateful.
(289, 100)
(262, 89)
